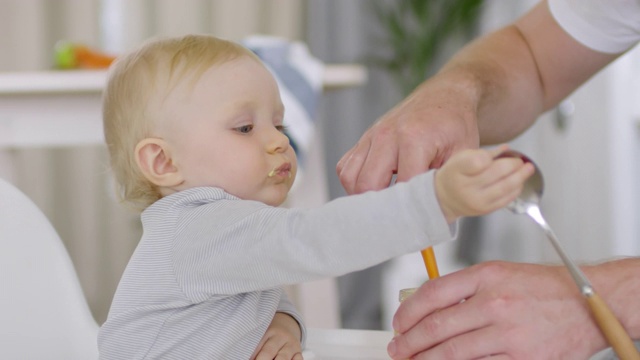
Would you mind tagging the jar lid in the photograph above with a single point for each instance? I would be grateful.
(405, 293)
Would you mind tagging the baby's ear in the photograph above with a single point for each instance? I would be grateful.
(153, 157)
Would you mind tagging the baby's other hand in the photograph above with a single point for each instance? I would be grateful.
(475, 182)
(281, 341)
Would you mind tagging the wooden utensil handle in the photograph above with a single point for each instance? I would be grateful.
(429, 258)
(612, 329)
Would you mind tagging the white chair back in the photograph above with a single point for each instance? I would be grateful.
(43, 312)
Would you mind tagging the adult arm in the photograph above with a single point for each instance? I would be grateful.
(489, 92)
(516, 311)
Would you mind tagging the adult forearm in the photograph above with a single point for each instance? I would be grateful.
(520, 71)
(502, 83)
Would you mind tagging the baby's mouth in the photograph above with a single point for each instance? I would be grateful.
(283, 170)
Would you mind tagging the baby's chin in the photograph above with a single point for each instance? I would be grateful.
(275, 202)
(272, 195)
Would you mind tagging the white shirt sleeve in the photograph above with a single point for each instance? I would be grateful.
(610, 26)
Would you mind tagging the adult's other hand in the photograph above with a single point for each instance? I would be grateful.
(510, 311)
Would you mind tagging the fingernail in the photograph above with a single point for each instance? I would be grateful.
(391, 348)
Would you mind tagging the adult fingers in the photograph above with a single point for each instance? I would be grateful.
(477, 344)
(415, 156)
(344, 159)
(430, 148)
(366, 167)
(349, 166)
(441, 329)
(381, 162)
(433, 295)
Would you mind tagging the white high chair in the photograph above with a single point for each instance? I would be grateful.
(43, 312)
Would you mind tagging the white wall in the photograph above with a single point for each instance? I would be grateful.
(592, 166)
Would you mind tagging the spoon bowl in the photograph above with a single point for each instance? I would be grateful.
(532, 189)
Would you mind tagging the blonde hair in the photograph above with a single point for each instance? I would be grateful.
(135, 80)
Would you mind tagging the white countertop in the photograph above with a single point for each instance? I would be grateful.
(83, 81)
(344, 344)
(63, 108)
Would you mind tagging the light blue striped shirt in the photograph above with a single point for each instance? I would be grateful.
(206, 277)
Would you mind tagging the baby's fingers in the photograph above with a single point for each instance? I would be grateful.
(289, 356)
(500, 169)
(269, 349)
(277, 348)
(289, 352)
(476, 161)
(495, 152)
(509, 187)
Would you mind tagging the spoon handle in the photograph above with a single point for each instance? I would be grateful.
(429, 258)
(578, 276)
(612, 329)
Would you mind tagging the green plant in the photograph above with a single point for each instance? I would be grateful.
(418, 31)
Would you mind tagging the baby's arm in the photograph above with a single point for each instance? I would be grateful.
(474, 182)
(282, 339)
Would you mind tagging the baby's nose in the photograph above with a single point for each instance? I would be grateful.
(278, 141)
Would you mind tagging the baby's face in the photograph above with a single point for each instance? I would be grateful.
(227, 132)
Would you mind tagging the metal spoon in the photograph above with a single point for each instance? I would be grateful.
(527, 203)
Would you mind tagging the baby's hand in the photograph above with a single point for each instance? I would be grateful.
(281, 341)
(474, 182)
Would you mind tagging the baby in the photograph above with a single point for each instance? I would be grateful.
(194, 128)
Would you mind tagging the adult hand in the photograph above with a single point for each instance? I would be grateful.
(510, 311)
(492, 90)
(415, 136)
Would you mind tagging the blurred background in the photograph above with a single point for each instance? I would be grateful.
(588, 148)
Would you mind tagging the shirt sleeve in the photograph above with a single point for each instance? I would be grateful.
(610, 26)
(287, 307)
(233, 246)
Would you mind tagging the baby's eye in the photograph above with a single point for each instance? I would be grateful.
(281, 128)
(244, 129)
